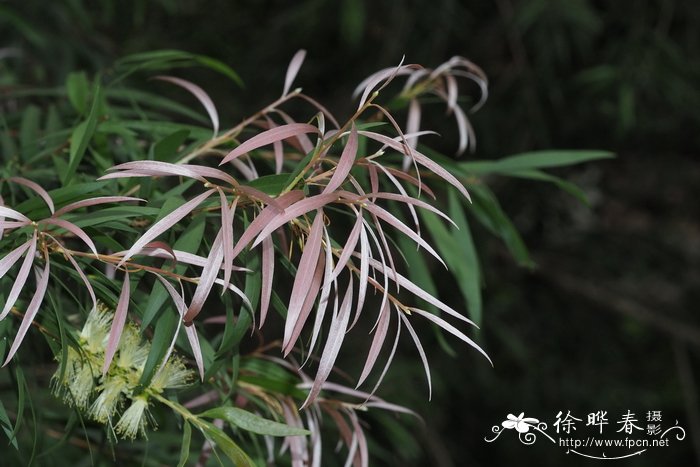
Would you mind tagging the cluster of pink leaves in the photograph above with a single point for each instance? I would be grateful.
(320, 290)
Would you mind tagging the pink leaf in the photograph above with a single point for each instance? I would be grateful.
(390, 359)
(21, 278)
(200, 94)
(345, 163)
(263, 219)
(36, 188)
(2, 219)
(364, 275)
(94, 201)
(377, 343)
(164, 224)
(303, 277)
(277, 149)
(74, 229)
(417, 291)
(328, 281)
(268, 271)
(421, 159)
(386, 75)
(297, 209)
(270, 136)
(412, 126)
(181, 309)
(304, 141)
(31, 312)
(118, 323)
(258, 195)
(394, 222)
(227, 234)
(411, 201)
(451, 329)
(193, 338)
(320, 108)
(206, 281)
(336, 334)
(309, 301)
(12, 214)
(80, 272)
(349, 247)
(421, 351)
(12, 257)
(293, 69)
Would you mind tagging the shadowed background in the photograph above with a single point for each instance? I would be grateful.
(606, 319)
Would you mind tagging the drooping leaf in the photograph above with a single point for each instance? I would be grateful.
(249, 421)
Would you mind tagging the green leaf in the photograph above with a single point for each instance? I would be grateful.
(7, 426)
(562, 184)
(470, 274)
(489, 213)
(185, 448)
(166, 148)
(533, 160)
(165, 327)
(248, 421)
(188, 241)
(29, 132)
(271, 184)
(82, 134)
(77, 86)
(226, 444)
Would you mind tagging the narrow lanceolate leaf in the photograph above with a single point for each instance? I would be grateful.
(201, 96)
(181, 309)
(421, 351)
(377, 343)
(207, 279)
(297, 209)
(155, 168)
(386, 75)
(94, 201)
(164, 224)
(308, 305)
(21, 278)
(303, 277)
(35, 187)
(12, 214)
(345, 163)
(80, 272)
(417, 291)
(328, 281)
(227, 233)
(451, 329)
(412, 126)
(270, 136)
(74, 229)
(349, 247)
(12, 257)
(292, 70)
(277, 149)
(2, 219)
(191, 331)
(422, 159)
(336, 334)
(268, 271)
(264, 218)
(403, 228)
(31, 312)
(118, 323)
(364, 275)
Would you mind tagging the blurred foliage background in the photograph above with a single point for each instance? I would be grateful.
(607, 318)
